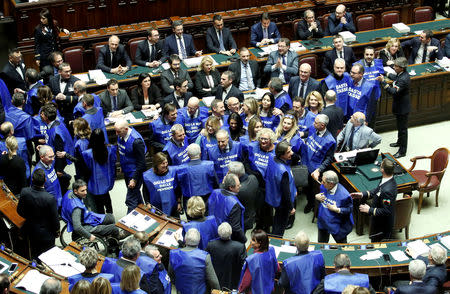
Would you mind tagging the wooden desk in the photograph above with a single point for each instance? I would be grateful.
(406, 183)
(64, 283)
(76, 249)
(22, 264)
(8, 206)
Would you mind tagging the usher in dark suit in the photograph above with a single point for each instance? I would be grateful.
(65, 106)
(236, 68)
(104, 58)
(143, 53)
(295, 85)
(171, 99)
(123, 102)
(201, 83)
(336, 116)
(384, 203)
(331, 56)
(212, 41)
(12, 77)
(304, 33)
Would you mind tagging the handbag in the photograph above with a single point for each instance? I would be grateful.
(300, 174)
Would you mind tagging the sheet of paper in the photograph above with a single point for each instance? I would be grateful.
(61, 262)
(151, 113)
(417, 248)
(371, 255)
(165, 65)
(259, 93)
(132, 219)
(389, 69)
(289, 249)
(98, 76)
(32, 281)
(270, 48)
(277, 250)
(168, 239)
(208, 100)
(83, 77)
(399, 255)
(446, 241)
(195, 61)
(297, 46)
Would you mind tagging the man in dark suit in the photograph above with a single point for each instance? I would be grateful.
(115, 101)
(227, 257)
(424, 48)
(309, 27)
(401, 104)
(180, 96)
(334, 113)
(150, 52)
(246, 71)
(303, 84)
(264, 32)
(219, 38)
(168, 76)
(282, 63)
(340, 21)
(436, 273)
(179, 43)
(40, 211)
(339, 51)
(417, 269)
(382, 208)
(113, 57)
(56, 58)
(227, 89)
(447, 46)
(13, 72)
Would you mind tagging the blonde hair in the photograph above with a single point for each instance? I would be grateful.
(319, 98)
(291, 133)
(252, 105)
(131, 276)
(196, 207)
(11, 145)
(215, 124)
(101, 285)
(81, 128)
(206, 59)
(391, 42)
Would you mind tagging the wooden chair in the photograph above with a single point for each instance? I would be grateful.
(97, 47)
(365, 22)
(295, 26)
(74, 56)
(430, 180)
(132, 46)
(311, 59)
(324, 23)
(390, 17)
(423, 13)
(403, 210)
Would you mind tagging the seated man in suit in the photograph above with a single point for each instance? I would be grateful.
(309, 27)
(168, 76)
(150, 52)
(424, 48)
(115, 101)
(227, 89)
(180, 96)
(246, 71)
(339, 51)
(179, 43)
(340, 21)
(334, 113)
(356, 135)
(264, 32)
(13, 72)
(56, 58)
(113, 57)
(303, 84)
(219, 38)
(282, 63)
(417, 270)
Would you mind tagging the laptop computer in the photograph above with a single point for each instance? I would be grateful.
(365, 157)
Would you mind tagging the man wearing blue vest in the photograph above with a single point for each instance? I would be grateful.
(336, 283)
(335, 210)
(158, 280)
(339, 81)
(280, 187)
(282, 100)
(191, 269)
(80, 220)
(317, 155)
(176, 146)
(193, 116)
(22, 121)
(79, 89)
(223, 153)
(304, 116)
(31, 104)
(225, 206)
(160, 128)
(132, 151)
(361, 93)
(304, 271)
(93, 115)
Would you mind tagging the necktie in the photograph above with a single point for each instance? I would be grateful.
(369, 64)
(286, 75)
(250, 85)
(302, 90)
(265, 34)
(340, 54)
(183, 51)
(222, 47)
(114, 103)
(424, 55)
(153, 55)
(113, 59)
(350, 140)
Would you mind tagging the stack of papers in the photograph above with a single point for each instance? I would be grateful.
(399, 255)
(83, 77)
(151, 113)
(137, 221)
(98, 76)
(32, 281)
(297, 46)
(371, 255)
(446, 241)
(267, 49)
(208, 100)
(401, 28)
(417, 248)
(61, 262)
(347, 36)
(444, 63)
(168, 238)
(195, 61)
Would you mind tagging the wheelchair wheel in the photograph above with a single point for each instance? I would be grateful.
(99, 244)
(65, 237)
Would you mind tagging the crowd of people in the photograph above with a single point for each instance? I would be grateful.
(231, 168)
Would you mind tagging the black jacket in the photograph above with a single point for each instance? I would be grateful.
(12, 78)
(401, 102)
(212, 41)
(336, 116)
(105, 63)
(143, 53)
(254, 67)
(303, 33)
(154, 96)
(201, 83)
(331, 56)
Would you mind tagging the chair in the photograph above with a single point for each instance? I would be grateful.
(295, 26)
(97, 47)
(365, 22)
(403, 210)
(74, 56)
(390, 17)
(311, 59)
(430, 180)
(100, 244)
(132, 46)
(324, 22)
(423, 13)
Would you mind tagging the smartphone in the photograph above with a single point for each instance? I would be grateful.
(13, 267)
(386, 257)
(370, 246)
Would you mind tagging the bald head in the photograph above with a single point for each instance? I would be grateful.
(233, 104)
(121, 128)
(304, 71)
(340, 11)
(113, 43)
(358, 118)
(193, 105)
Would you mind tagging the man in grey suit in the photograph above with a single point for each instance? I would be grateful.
(356, 135)
(115, 101)
(282, 63)
(302, 85)
(219, 38)
(246, 71)
(169, 75)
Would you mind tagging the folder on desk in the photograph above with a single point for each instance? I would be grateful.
(370, 171)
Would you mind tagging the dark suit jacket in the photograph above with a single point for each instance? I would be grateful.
(331, 56)
(171, 47)
(401, 103)
(55, 86)
(212, 41)
(201, 83)
(335, 26)
(256, 33)
(227, 259)
(414, 45)
(386, 56)
(143, 53)
(336, 116)
(171, 99)
(167, 78)
(104, 58)
(154, 96)
(295, 84)
(12, 78)
(234, 92)
(384, 203)
(123, 102)
(435, 276)
(291, 64)
(416, 287)
(447, 46)
(303, 33)
(254, 67)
